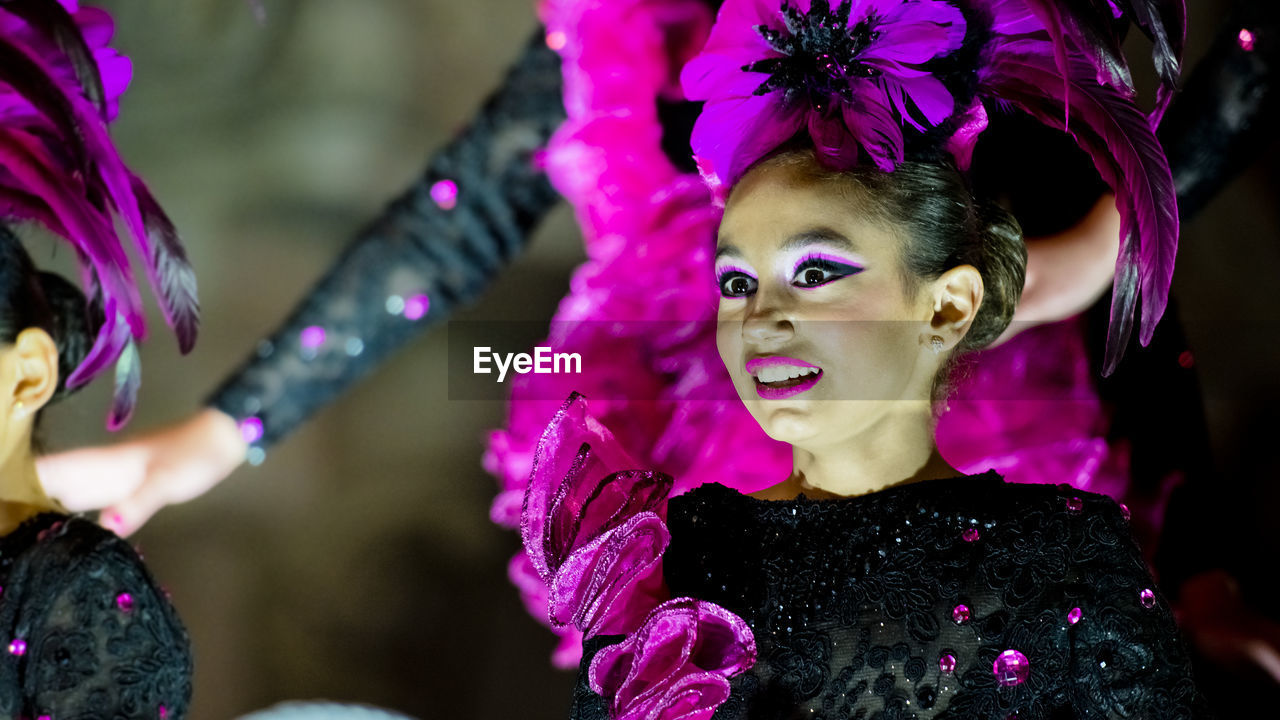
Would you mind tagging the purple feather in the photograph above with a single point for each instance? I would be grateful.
(168, 269)
(1049, 14)
(22, 206)
(1091, 27)
(27, 76)
(53, 21)
(59, 84)
(1156, 19)
(24, 158)
(128, 379)
(1128, 156)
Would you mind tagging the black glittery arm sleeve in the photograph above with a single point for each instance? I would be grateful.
(1222, 121)
(435, 248)
(1226, 112)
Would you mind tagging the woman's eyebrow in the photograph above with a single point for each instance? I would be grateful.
(819, 236)
(813, 236)
(726, 250)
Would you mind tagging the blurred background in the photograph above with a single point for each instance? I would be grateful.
(358, 563)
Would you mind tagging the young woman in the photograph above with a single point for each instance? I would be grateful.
(875, 580)
(84, 629)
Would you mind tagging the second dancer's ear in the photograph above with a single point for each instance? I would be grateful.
(29, 372)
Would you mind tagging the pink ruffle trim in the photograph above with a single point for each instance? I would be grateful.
(643, 305)
(595, 537)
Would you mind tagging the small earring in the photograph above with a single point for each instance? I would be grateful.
(17, 407)
(935, 343)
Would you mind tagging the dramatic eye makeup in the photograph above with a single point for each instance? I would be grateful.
(816, 269)
(735, 281)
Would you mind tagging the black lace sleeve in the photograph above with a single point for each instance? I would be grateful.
(88, 633)
(1224, 116)
(1127, 657)
(435, 248)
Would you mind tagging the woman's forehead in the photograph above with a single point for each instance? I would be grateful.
(785, 212)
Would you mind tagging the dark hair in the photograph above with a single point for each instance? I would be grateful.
(943, 226)
(30, 298)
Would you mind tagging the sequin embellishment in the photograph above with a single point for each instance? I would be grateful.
(1011, 668)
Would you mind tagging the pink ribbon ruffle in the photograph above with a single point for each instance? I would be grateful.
(595, 535)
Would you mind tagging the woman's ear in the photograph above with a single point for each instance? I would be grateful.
(35, 369)
(957, 295)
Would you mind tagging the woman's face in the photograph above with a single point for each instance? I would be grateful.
(820, 335)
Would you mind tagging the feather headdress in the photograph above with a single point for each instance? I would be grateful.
(59, 87)
(877, 80)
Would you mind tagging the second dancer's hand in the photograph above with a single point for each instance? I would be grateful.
(132, 480)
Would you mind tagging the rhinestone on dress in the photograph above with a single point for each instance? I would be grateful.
(1124, 510)
(960, 614)
(163, 712)
(1245, 40)
(18, 647)
(947, 663)
(1011, 668)
(1074, 616)
(1148, 598)
(445, 193)
(969, 535)
(124, 601)
(1074, 505)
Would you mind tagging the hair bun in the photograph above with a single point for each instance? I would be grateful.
(75, 324)
(1003, 264)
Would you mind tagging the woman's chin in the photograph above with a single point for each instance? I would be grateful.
(787, 424)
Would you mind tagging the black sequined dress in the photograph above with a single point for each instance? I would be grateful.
(959, 598)
(86, 632)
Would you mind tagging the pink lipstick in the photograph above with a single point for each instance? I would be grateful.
(778, 377)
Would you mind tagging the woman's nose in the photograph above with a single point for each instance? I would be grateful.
(767, 321)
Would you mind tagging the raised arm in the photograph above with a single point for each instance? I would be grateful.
(434, 249)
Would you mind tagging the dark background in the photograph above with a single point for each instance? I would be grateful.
(358, 562)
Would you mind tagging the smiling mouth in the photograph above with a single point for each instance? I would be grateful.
(778, 382)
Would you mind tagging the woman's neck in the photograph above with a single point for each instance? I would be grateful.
(896, 450)
(21, 494)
